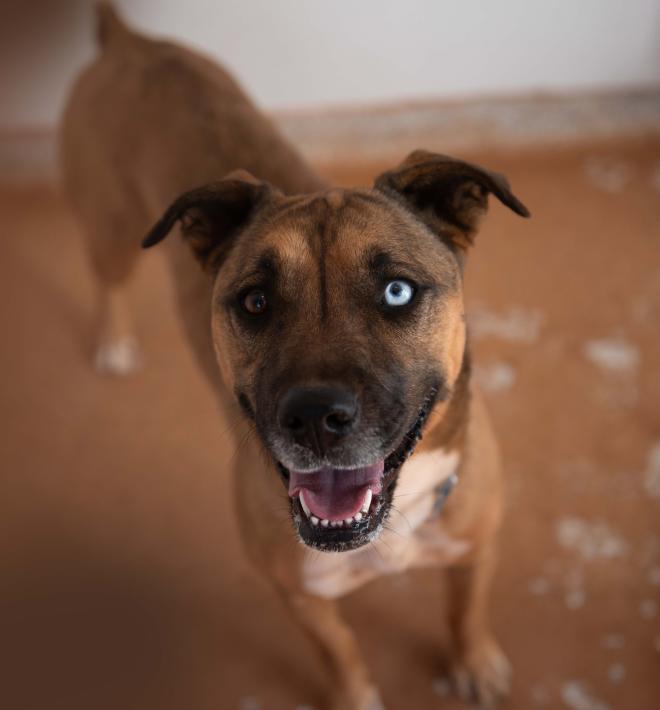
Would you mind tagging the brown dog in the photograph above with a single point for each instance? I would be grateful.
(330, 323)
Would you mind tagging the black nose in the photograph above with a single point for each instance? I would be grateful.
(318, 416)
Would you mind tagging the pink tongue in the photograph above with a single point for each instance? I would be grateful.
(335, 493)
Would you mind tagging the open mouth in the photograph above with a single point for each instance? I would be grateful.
(335, 509)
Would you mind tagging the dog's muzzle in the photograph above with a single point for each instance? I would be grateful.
(338, 508)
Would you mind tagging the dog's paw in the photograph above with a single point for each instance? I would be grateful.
(483, 675)
(119, 357)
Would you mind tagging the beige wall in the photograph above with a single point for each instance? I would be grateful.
(300, 53)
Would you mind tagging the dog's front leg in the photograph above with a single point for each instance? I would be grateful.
(322, 621)
(479, 669)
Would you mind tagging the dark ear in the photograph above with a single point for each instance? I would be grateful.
(212, 215)
(449, 195)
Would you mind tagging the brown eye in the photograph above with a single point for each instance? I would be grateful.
(255, 302)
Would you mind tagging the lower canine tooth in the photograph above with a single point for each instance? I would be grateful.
(315, 520)
(357, 517)
(366, 502)
(304, 504)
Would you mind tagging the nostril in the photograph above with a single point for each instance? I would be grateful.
(338, 421)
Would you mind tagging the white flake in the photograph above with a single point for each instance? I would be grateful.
(613, 354)
(607, 174)
(590, 539)
(577, 697)
(515, 325)
(496, 376)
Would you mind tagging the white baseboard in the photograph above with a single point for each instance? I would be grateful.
(387, 132)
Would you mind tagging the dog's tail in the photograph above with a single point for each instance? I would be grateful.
(109, 25)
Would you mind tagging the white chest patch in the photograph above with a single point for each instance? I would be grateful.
(401, 544)
(415, 492)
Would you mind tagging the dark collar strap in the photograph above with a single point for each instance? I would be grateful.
(442, 493)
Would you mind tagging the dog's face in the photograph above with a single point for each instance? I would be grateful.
(338, 324)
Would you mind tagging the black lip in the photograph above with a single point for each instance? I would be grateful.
(363, 532)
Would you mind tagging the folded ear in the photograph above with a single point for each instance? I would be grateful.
(449, 195)
(212, 215)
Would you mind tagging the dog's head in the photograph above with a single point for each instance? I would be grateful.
(338, 323)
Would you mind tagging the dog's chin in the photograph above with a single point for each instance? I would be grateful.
(335, 509)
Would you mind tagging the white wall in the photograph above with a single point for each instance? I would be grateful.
(302, 53)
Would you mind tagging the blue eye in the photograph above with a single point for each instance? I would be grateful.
(398, 293)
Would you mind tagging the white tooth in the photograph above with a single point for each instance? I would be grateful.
(315, 520)
(325, 523)
(304, 504)
(348, 521)
(335, 523)
(366, 502)
(357, 517)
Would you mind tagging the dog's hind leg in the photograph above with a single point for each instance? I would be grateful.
(113, 240)
(322, 621)
(117, 350)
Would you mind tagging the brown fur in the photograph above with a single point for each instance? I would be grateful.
(148, 124)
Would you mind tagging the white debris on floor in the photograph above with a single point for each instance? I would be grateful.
(615, 355)
(495, 376)
(514, 325)
(590, 539)
(576, 696)
(607, 174)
